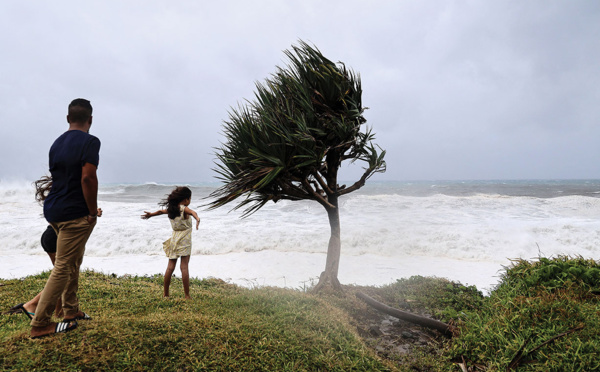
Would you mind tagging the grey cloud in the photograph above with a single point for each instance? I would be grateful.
(455, 90)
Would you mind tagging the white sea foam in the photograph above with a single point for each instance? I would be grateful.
(406, 234)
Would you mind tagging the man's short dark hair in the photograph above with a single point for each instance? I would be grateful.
(80, 110)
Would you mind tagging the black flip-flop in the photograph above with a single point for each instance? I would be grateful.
(20, 309)
(13, 310)
(62, 327)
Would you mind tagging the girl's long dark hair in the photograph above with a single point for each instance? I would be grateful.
(42, 188)
(174, 199)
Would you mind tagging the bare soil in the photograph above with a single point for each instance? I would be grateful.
(396, 340)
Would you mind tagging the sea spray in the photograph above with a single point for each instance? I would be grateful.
(474, 227)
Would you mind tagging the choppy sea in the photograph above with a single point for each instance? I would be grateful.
(462, 230)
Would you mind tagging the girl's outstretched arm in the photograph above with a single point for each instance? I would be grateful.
(194, 214)
(147, 215)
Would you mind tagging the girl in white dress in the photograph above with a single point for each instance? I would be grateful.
(180, 243)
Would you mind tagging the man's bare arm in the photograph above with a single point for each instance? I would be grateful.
(89, 185)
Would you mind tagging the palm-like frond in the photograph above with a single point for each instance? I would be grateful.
(291, 140)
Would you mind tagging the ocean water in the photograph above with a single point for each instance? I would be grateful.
(461, 230)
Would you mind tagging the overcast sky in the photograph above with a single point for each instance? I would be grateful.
(455, 89)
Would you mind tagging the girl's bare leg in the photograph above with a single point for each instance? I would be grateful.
(168, 275)
(185, 276)
(31, 305)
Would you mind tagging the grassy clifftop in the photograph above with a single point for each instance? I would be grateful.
(223, 328)
(543, 316)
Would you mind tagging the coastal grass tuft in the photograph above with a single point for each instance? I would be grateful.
(441, 298)
(543, 316)
(223, 328)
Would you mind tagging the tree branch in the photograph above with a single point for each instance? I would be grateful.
(519, 356)
(322, 182)
(317, 196)
(360, 183)
(294, 191)
(276, 198)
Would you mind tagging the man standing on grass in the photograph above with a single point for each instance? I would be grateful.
(71, 208)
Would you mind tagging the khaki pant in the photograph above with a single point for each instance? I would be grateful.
(64, 279)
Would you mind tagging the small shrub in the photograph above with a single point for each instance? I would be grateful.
(541, 317)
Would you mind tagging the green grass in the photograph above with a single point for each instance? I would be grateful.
(543, 316)
(224, 328)
(545, 311)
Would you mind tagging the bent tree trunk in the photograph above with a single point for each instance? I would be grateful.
(330, 275)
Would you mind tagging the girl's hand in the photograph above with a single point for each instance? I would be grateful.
(99, 212)
(147, 215)
(197, 223)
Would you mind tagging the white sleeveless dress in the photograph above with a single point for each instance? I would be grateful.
(180, 243)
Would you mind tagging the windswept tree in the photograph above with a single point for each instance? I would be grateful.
(290, 142)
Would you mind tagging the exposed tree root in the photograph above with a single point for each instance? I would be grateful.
(442, 327)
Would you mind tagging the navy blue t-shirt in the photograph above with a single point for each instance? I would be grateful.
(68, 155)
